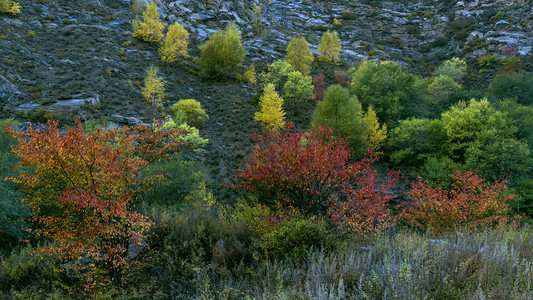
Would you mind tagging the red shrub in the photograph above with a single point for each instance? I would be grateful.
(311, 172)
(342, 78)
(319, 87)
(471, 203)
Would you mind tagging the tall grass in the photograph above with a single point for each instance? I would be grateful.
(222, 262)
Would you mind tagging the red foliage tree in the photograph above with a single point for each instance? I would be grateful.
(364, 206)
(311, 172)
(80, 186)
(470, 203)
(342, 78)
(319, 87)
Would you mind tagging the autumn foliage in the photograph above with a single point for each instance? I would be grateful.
(311, 172)
(319, 87)
(150, 29)
(80, 186)
(471, 203)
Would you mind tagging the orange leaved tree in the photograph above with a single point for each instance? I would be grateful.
(80, 186)
(470, 203)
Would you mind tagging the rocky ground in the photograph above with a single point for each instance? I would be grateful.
(61, 58)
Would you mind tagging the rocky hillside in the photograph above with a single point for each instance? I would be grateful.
(61, 58)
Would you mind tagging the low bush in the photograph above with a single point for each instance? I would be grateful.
(286, 234)
(469, 204)
(519, 86)
(12, 212)
(223, 54)
(194, 113)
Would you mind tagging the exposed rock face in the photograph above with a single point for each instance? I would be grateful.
(394, 30)
(75, 47)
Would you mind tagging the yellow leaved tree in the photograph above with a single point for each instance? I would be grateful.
(154, 87)
(175, 44)
(376, 136)
(271, 113)
(330, 47)
(10, 7)
(150, 29)
(299, 55)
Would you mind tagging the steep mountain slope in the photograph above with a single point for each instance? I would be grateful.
(61, 58)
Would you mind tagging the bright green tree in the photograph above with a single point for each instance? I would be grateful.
(343, 114)
(271, 112)
(195, 115)
(442, 87)
(223, 54)
(454, 68)
(276, 73)
(482, 137)
(330, 47)
(150, 29)
(175, 44)
(299, 55)
(298, 88)
(190, 134)
(154, 87)
(393, 93)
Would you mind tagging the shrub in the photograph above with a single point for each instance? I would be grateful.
(471, 203)
(150, 29)
(175, 44)
(319, 87)
(304, 176)
(190, 135)
(154, 87)
(249, 76)
(9, 7)
(510, 64)
(138, 6)
(414, 140)
(276, 73)
(12, 213)
(330, 47)
(286, 234)
(299, 55)
(364, 209)
(454, 68)
(298, 88)
(487, 61)
(342, 78)
(223, 54)
(462, 26)
(194, 113)
(442, 87)
(393, 93)
(311, 172)
(519, 86)
(183, 180)
(27, 269)
(271, 113)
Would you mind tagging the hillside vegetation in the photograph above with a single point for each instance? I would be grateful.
(266, 150)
